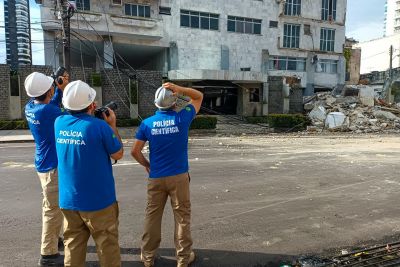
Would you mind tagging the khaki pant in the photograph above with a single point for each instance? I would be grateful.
(102, 225)
(158, 190)
(51, 215)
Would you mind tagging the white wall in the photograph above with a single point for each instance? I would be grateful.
(375, 54)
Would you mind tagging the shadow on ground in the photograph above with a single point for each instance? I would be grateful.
(205, 258)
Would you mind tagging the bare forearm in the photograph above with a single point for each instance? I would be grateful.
(190, 92)
(141, 159)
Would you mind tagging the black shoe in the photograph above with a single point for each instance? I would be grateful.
(60, 243)
(52, 260)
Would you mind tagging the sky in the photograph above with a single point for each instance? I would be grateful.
(365, 19)
(364, 22)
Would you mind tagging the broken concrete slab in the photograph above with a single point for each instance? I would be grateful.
(385, 115)
(318, 114)
(335, 120)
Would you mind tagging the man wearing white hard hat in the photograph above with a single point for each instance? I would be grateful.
(88, 202)
(167, 133)
(41, 112)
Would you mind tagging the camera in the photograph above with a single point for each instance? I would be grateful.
(98, 112)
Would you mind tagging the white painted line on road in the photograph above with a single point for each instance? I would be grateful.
(125, 164)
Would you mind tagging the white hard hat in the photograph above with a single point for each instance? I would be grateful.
(36, 84)
(78, 95)
(164, 98)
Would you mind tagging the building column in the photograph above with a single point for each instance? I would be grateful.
(310, 67)
(108, 53)
(265, 95)
(51, 50)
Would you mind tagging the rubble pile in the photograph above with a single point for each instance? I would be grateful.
(363, 113)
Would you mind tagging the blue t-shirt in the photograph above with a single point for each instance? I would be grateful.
(84, 145)
(167, 133)
(41, 119)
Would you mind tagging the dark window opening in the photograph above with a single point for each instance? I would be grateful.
(254, 95)
(14, 84)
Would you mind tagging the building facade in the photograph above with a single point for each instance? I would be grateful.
(227, 49)
(375, 54)
(392, 17)
(17, 31)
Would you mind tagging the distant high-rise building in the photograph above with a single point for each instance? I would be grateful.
(392, 17)
(18, 34)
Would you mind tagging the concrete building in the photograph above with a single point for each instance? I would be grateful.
(227, 49)
(392, 17)
(353, 61)
(375, 54)
(17, 31)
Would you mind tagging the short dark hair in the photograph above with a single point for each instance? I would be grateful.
(42, 97)
(60, 72)
(79, 111)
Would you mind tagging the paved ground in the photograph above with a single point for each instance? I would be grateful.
(256, 200)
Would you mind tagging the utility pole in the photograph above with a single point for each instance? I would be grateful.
(66, 33)
(391, 63)
(389, 88)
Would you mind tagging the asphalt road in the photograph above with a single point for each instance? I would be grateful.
(255, 200)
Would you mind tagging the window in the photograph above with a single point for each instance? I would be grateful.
(328, 65)
(83, 4)
(163, 10)
(291, 36)
(137, 10)
(244, 25)
(273, 24)
(287, 63)
(293, 7)
(254, 94)
(327, 42)
(116, 2)
(199, 20)
(328, 10)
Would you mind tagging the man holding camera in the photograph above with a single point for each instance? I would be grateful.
(167, 133)
(61, 77)
(87, 189)
(41, 112)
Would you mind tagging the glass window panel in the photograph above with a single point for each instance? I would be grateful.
(239, 19)
(134, 10)
(301, 65)
(141, 11)
(239, 26)
(204, 14)
(184, 12)
(282, 64)
(214, 16)
(231, 26)
(128, 10)
(205, 23)
(194, 22)
(271, 64)
(147, 11)
(248, 27)
(214, 24)
(185, 20)
(257, 28)
(194, 13)
(292, 64)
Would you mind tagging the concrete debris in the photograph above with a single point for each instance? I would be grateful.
(359, 114)
(335, 120)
